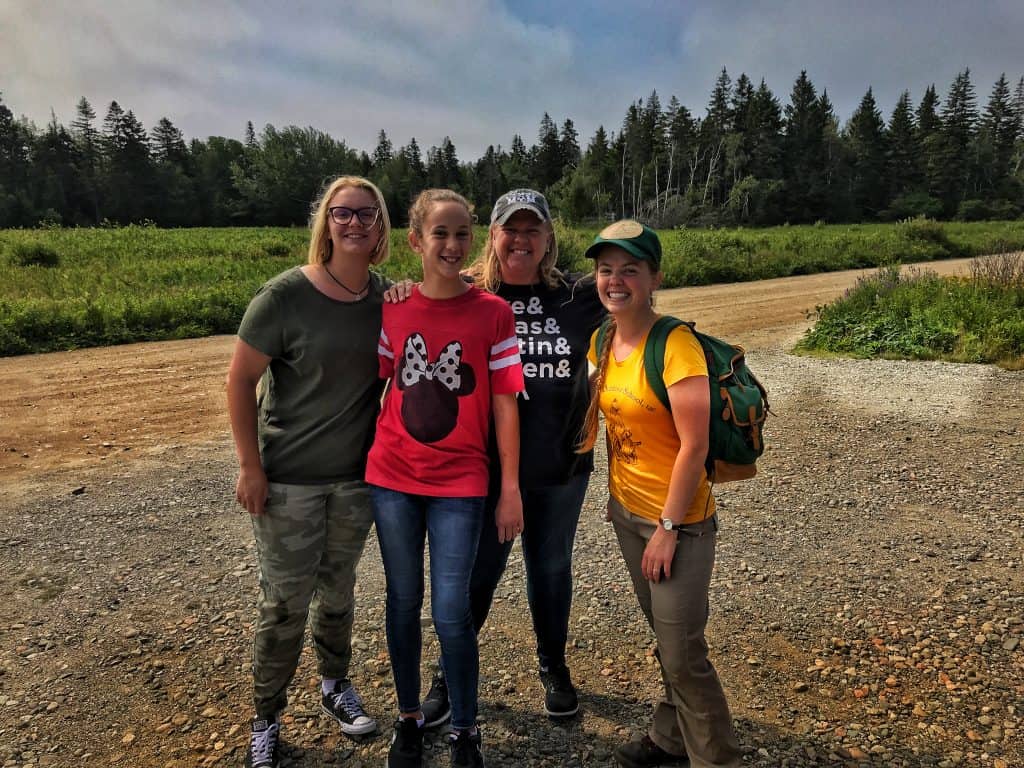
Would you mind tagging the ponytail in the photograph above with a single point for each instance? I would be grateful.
(588, 433)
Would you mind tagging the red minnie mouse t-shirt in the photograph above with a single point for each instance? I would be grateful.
(445, 358)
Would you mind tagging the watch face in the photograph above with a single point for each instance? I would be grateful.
(667, 524)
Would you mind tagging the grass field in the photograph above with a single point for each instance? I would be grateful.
(69, 288)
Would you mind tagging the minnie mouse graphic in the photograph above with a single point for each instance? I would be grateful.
(430, 406)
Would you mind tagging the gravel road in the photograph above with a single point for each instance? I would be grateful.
(867, 604)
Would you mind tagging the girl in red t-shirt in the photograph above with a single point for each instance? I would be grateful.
(452, 357)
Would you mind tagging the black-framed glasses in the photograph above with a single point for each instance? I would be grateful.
(343, 215)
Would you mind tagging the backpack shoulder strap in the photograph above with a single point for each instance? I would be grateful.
(654, 355)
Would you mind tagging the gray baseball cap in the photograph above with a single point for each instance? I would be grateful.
(520, 200)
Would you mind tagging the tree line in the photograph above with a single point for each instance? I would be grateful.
(748, 160)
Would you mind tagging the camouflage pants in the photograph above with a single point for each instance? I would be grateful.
(308, 541)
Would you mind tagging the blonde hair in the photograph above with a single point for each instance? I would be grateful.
(425, 200)
(320, 236)
(588, 432)
(486, 270)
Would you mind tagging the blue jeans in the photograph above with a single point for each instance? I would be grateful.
(549, 531)
(452, 529)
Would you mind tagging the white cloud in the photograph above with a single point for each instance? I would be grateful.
(476, 70)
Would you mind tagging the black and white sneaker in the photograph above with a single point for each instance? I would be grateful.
(406, 749)
(435, 707)
(465, 749)
(560, 698)
(345, 706)
(262, 752)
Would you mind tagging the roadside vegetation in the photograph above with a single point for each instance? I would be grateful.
(68, 288)
(919, 315)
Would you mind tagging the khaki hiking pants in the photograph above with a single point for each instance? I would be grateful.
(693, 717)
(308, 541)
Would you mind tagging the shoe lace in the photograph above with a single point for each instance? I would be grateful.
(462, 743)
(557, 680)
(263, 742)
(348, 701)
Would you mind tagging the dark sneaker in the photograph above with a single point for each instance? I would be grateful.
(435, 707)
(345, 706)
(645, 754)
(559, 694)
(406, 745)
(262, 752)
(465, 749)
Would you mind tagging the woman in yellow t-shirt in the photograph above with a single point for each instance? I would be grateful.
(660, 500)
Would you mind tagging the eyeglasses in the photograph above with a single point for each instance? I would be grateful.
(343, 215)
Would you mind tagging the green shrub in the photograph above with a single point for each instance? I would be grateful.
(921, 315)
(973, 210)
(912, 205)
(34, 255)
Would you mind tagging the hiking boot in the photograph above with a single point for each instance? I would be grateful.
(645, 754)
(435, 707)
(406, 745)
(262, 752)
(559, 694)
(465, 749)
(345, 706)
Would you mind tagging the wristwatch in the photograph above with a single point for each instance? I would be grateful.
(668, 525)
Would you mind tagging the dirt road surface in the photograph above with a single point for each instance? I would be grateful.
(87, 409)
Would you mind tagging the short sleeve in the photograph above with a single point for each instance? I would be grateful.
(385, 355)
(592, 349)
(262, 323)
(684, 356)
(504, 363)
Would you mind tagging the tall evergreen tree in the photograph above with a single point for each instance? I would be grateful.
(866, 134)
(568, 147)
(128, 178)
(804, 153)
(903, 156)
(764, 127)
(547, 167)
(955, 173)
(997, 137)
(56, 183)
(684, 149)
(89, 152)
(175, 199)
(515, 166)
(411, 153)
(384, 152)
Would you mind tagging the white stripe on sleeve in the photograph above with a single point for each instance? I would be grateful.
(501, 346)
(504, 362)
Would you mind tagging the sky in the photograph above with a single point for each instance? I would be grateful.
(478, 71)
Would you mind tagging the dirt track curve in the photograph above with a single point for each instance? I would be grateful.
(85, 409)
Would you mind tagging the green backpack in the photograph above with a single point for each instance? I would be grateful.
(739, 402)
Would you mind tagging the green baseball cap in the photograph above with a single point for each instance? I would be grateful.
(631, 236)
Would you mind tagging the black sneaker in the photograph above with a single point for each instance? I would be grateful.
(465, 749)
(262, 752)
(559, 694)
(406, 745)
(345, 706)
(435, 707)
(645, 754)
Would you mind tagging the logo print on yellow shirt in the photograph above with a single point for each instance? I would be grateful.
(620, 437)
